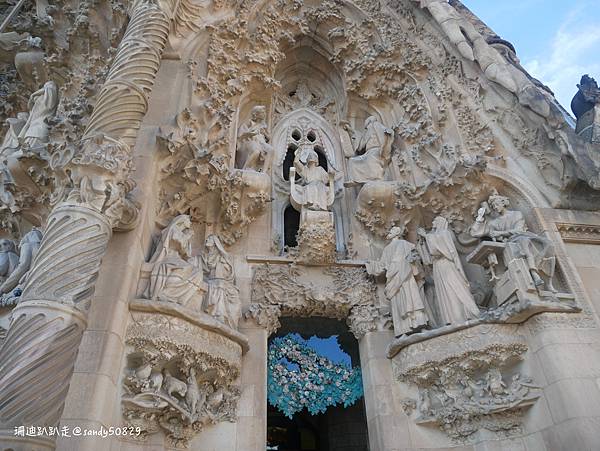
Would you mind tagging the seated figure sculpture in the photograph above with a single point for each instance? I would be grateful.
(374, 151)
(498, 223)
(28, 248)
(8, 259)
(175, 276)
(315, 190)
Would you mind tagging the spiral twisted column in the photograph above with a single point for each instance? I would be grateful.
(38, 355)
(123, 100)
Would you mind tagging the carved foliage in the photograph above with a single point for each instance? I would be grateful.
(196, 171)
(286, 290)
(469, 381)
(178, 379)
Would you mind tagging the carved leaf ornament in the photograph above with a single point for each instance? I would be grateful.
(299, 378)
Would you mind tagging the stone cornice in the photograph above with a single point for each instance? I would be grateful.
(579, 233)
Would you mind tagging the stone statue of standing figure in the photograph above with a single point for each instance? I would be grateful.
(42, 106)
(455, 302)
(222, 300)
(374, 151)
(254, 150)
(398, 262)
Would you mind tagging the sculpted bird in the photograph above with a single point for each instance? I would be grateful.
(143, 372)
(215, 398)
(173, 385)
(156, 380)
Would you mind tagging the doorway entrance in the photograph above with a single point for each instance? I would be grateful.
(315, 388)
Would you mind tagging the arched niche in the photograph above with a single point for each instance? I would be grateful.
(298, 130)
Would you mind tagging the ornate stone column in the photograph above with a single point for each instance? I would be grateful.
(39, 352)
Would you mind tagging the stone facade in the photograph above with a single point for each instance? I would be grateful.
(177, 176)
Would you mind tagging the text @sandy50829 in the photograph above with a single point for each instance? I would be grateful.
(75, 431)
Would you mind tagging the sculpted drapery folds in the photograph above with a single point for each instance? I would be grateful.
(222, 300)
(50, 317)
(176, 276)
(315, 190)
(398, 262)
(455, 302)
(374, 152)
(254, 150)
(508, 226)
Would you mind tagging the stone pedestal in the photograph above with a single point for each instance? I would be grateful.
(180, 373)
(469, 383)
(316, 237)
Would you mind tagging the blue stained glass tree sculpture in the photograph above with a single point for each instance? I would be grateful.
(299, 378)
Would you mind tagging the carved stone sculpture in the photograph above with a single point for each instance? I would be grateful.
(508, 226)
(469, 382)
(455, 302)
(222, 300)
(176, 276)
(402, 289)
(11, 139)
(195, 174)
(8, 259)
(288, 290)
(586, 107)
(180, 372)
(28, 249)
(254, 151)
(51, 315)
(315, 191)
(374, 152)
(42, 106)
(313, 197)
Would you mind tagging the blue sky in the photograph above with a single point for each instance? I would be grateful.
(557, 41)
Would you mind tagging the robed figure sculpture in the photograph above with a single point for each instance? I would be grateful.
(398, 262)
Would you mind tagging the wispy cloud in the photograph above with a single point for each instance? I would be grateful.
(572, 52)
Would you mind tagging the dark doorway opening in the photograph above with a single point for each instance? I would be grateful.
(339, 428)
(291, 225)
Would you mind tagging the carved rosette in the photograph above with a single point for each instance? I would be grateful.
(181, 368)
(468, 381)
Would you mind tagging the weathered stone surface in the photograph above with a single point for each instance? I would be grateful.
(252, 157)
